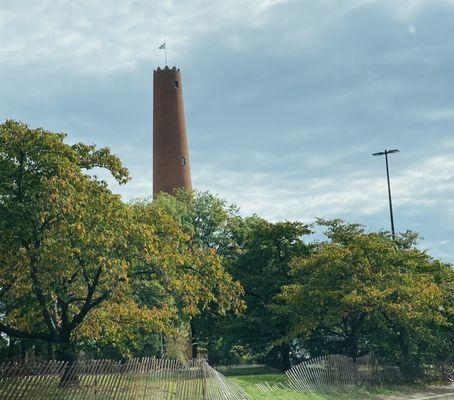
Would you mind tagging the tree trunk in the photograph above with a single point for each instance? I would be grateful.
(194, 341)
(23, 350)
(409, 368)
(11, 352)
(353, 347)
(285, 356)
(67, 353)
(50, 351)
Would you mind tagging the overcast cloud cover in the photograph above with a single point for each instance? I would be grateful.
(285, 99)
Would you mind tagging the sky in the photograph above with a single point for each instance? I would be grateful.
(285, 100)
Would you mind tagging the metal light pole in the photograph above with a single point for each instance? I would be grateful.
(385, 153)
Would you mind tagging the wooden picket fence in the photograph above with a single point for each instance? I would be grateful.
(442, 372)
(137, 379)
(340, 373)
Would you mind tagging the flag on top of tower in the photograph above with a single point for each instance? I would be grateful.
(163, 46)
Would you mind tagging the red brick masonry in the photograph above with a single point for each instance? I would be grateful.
(171, 166)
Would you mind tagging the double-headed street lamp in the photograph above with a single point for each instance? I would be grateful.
(385, 153)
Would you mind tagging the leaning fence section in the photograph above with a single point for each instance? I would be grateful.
(137, 379)
(340, 373)
(441, 372)
(337, 372)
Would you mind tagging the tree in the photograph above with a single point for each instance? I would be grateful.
(206, 220)
(261, 262)
(77, 265)
(62, 249)
(364, 290)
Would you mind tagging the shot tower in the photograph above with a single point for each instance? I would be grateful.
(171, 167)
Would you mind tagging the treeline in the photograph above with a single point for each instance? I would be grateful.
(352, 293)
(83, 272)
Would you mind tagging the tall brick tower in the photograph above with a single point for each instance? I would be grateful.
(171, 167)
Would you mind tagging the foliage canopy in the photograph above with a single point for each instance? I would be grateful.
(77, 264)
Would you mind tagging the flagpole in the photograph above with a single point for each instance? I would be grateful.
(164, 47)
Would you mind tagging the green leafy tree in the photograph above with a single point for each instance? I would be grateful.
(62, 247)
(206, 220)
(79, 267)
(364, 290)
(261, 262)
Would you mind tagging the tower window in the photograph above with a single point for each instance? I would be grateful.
(177, 84)
(183, 161)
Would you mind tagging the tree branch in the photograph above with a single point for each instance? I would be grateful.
(89, 305)
(37, 290)
(11, 331)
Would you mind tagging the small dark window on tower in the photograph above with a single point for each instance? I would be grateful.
(183, 161)
(177, 84)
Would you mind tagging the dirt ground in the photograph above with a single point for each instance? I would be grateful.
(434, 391)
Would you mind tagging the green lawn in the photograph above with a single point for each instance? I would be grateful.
(98, 388)
(249, 384)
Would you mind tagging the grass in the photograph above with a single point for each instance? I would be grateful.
(250, 371)
(141, 387)
(249, 385)
(249, 382)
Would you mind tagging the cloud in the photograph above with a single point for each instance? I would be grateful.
(285, 100)
(103, 36)
(406, 10)
(438, 115)
(423, 194)
(429, 183)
